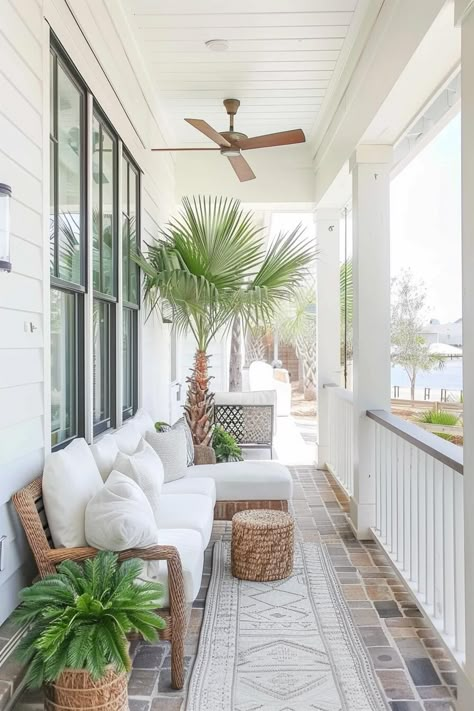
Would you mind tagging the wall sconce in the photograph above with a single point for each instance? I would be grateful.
(5, 195)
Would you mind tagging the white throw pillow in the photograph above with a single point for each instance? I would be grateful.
(144, 421)
(104, 452)
(128, 438)
(145, 468)
(171, 449)
(181, 424)
(70, 479)
(119, 516)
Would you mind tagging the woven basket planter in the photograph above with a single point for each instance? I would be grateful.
(76, 689)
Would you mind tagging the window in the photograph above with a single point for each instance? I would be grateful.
(67, 250)
(104, 271)
(88, 303)
(130, 284)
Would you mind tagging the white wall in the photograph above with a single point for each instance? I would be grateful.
(98, 43)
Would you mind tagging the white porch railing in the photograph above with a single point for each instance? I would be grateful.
(419, 506)
(341, 427)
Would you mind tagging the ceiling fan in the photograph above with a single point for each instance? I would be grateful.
(231, 143)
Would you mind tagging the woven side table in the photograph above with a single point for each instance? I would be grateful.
(262, 545)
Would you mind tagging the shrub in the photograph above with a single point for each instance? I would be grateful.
(440, 417)
(225, 446)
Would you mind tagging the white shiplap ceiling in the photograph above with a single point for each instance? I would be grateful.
(281, 58)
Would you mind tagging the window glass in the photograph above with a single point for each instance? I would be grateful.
(104, 191)
(64, 384)
(101, 364)
(129, 360)
(69, 178)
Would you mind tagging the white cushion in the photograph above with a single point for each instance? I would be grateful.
(144, 467)
(192, 511)
(128, 438)
(191, 553)
(247, 481)
(70, 480)
(143, 421)
(192, 485)
(104, 452)
(181, 424)
(119, 516)
(171, 448)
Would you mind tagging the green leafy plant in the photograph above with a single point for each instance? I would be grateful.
(439, 417)
(225, 446)
(212, 263)
(79, 617)
(162, 426)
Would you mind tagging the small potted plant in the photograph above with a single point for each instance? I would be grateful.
(79, 619)
(225, 446)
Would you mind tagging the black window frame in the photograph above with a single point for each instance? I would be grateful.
(99, 296)
(60, 57)
(128, 305)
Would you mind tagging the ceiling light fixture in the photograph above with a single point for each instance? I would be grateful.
(217, 45)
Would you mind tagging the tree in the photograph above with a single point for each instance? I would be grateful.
(346, 299)
(409, 348)
(211, 264)
(295, 325)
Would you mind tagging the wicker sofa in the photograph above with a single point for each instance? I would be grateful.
(187, 508)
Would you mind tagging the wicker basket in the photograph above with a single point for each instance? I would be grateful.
(75, 689)
(262, 545)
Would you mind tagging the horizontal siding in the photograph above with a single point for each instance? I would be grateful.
(21, 292)
(19, 329)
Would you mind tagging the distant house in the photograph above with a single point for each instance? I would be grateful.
(448, 333)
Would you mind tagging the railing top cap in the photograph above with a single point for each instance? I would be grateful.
(445, 452)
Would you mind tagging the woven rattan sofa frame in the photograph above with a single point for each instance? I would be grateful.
(28, 503)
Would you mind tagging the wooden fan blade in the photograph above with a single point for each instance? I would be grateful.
(284, 138)
(242, 169)
(185, 149)
(208, 131)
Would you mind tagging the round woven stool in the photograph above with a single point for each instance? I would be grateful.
(262, 545)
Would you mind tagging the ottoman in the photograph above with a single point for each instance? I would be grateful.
(262, 545)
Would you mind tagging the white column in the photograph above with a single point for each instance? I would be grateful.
(465, 14)
(370, 167)
(328, 318)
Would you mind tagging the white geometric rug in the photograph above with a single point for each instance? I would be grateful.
(287, 645)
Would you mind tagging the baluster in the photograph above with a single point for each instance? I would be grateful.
(430, 533)
(438, 531)
(421, 575)
(458, 558)
(448, 539)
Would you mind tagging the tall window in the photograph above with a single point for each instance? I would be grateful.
(130, 285)
(88, 303)
(67, 250)
(104, 269)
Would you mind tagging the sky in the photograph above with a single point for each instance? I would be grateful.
(426, 222)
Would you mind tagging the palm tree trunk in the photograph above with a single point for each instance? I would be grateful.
(235, 363)
(199, 401)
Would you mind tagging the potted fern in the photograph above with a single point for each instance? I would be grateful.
(225, 446)
(79, 619)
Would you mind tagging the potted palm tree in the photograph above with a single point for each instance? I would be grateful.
(212, 263)
(79, 619)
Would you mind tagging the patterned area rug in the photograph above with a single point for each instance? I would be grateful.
(287, 645)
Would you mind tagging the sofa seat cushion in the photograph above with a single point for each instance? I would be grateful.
(192, 485)
(189, 545)
(247, 481)
(192, 511)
